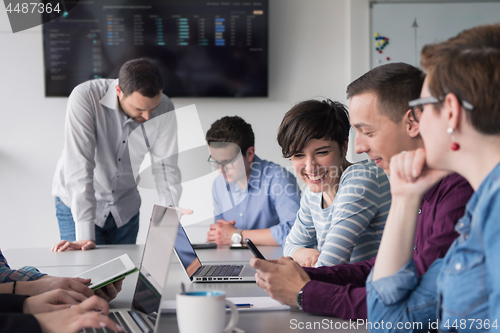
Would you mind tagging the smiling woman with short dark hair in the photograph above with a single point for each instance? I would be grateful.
(343, 210)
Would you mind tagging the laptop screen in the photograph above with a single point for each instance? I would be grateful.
(155, 260)
(185, 252)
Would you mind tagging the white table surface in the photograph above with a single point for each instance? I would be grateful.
(74, 262)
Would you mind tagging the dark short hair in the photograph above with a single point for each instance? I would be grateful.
(394, 84)
(141, 75)
(468, 66)
(313, 119)
(234, 130)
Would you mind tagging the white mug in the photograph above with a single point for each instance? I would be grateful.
(205, 311)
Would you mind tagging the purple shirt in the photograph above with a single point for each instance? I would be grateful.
(340, 290)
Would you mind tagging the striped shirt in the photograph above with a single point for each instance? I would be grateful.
(26, 273)
(350, 229)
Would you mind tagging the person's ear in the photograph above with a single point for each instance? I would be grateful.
(119, 92)
(250, 154)
(412, 126)
(452, 110)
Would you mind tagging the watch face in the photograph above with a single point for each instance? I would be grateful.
(236, 238)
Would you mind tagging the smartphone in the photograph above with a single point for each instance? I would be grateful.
(254, 249)
(238, 247)
(202, 246)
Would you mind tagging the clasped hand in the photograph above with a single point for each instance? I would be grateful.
(221, 232)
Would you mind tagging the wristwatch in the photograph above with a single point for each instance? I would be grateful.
(299, 299)
(236, 238)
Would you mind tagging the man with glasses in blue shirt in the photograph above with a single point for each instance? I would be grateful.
(253, 198)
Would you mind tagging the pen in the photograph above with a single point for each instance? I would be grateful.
(242, 305)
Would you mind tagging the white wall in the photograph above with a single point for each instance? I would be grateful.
(312, 53)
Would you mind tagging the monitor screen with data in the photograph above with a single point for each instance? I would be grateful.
(203, 48)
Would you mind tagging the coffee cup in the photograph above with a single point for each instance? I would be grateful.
(205, 311)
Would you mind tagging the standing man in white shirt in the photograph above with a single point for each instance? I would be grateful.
(97, 201)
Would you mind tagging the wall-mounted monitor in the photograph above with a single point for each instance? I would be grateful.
(203, 48)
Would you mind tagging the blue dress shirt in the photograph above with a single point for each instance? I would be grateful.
(270, 200)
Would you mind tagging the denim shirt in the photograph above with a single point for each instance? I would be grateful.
(462, 290)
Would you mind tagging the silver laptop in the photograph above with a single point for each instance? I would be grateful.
(208, 273)
(141, 318)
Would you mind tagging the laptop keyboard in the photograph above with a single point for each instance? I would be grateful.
(116, 317)
(220, 270)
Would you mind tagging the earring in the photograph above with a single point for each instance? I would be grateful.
(454, 146)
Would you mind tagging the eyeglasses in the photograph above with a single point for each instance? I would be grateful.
(417, 105)
(226, 165)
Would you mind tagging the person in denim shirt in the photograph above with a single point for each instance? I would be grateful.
(459, 115)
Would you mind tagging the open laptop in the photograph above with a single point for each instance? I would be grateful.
(141, 318)
(208, 273)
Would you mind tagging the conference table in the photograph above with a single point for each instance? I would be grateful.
(72, 263)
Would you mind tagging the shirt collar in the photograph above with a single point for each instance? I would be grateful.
(110, 99)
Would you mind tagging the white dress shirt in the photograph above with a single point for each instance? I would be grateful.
(94, 176)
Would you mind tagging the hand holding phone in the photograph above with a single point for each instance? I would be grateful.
(254, 249)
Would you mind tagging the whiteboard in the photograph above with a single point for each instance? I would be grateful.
(436, 22)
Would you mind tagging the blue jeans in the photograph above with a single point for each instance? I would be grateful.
(108, 234)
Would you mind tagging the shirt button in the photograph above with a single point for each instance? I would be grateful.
(112, 191)
(458, 266)
(419, 211)
(466, 236)
(461, 225)
(119, 159)
(124, 141)
(414, 247)
(241, 214)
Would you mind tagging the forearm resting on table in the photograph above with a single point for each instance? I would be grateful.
(306, 257)
(259, 236)
(396, 248)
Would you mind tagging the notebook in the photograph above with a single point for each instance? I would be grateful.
(141, 318)
(208, 273)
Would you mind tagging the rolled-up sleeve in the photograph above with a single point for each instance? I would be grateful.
(26, 273)
(403, 301)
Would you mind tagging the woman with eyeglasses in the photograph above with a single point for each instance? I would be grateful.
(459, 115)
(343, 210)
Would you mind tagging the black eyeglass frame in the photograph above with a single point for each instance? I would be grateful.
(216, 164)
(420, 102)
